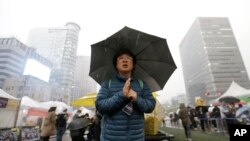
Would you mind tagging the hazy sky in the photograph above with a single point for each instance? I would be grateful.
(98, 19)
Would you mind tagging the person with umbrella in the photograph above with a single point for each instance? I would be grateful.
(127, 65)
(122, 102)
(77, 127)
(61, 123)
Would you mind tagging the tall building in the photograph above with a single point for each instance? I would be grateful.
(30, 86)
(211, 59)
(17, 60)
(83, 82)
(59, 45)
(12, 58)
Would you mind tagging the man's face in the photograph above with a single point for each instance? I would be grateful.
(124, 63)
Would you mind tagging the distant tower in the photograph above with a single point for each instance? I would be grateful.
(211, 59)
(59, 45)
(84, 84)
(12, 58)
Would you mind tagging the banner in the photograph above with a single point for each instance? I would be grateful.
(3, 102)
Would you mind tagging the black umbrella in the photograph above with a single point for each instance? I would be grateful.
(78, 123)
(154, 62)
(229, 99)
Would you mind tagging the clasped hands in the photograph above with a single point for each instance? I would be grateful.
(128, 91)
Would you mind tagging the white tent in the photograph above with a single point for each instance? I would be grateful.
(234, 90)
(8, 114)
(6, 95)
(59, 105)
(29, 102)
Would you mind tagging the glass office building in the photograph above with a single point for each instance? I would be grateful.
(59, 45)
(211, 59)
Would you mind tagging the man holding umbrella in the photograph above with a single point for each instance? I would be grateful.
(127, 66)
(122, 102)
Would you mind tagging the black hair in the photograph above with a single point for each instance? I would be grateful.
(52, 109)
(121, 52)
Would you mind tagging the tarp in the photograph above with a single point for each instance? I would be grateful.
(88, 100)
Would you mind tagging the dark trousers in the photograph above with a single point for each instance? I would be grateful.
(59, 133)
(44, 138)
(187, 131)
(77, 138)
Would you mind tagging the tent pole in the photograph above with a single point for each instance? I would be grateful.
(19, 106)
(17, 113)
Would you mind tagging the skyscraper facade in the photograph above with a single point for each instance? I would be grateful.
(59, 45)
(211, 59)
(84, 84)
(12, 58)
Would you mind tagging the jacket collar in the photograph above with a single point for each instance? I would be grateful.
(122, 78)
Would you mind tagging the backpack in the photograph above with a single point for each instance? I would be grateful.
(61, 120)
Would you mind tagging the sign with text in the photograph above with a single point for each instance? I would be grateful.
(239, 132)
(3, 102)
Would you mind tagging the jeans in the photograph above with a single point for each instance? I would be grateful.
(59, 133)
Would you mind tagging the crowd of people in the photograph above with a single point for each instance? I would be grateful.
(210, 118)
(81, 127)
(122, 102)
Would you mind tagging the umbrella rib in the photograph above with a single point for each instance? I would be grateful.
(146, 46)
(146, 72)
(158, 61)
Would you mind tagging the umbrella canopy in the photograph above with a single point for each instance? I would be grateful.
(78, 123)
(152, 57)
(88, 101)
(59, 105)
(229, 99)
(241, 110)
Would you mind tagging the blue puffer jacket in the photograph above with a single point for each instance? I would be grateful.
(116, 125)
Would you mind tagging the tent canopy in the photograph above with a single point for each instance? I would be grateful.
(6, 95)
(88, 100)
(234, 90)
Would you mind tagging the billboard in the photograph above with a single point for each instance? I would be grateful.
(37, 69)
